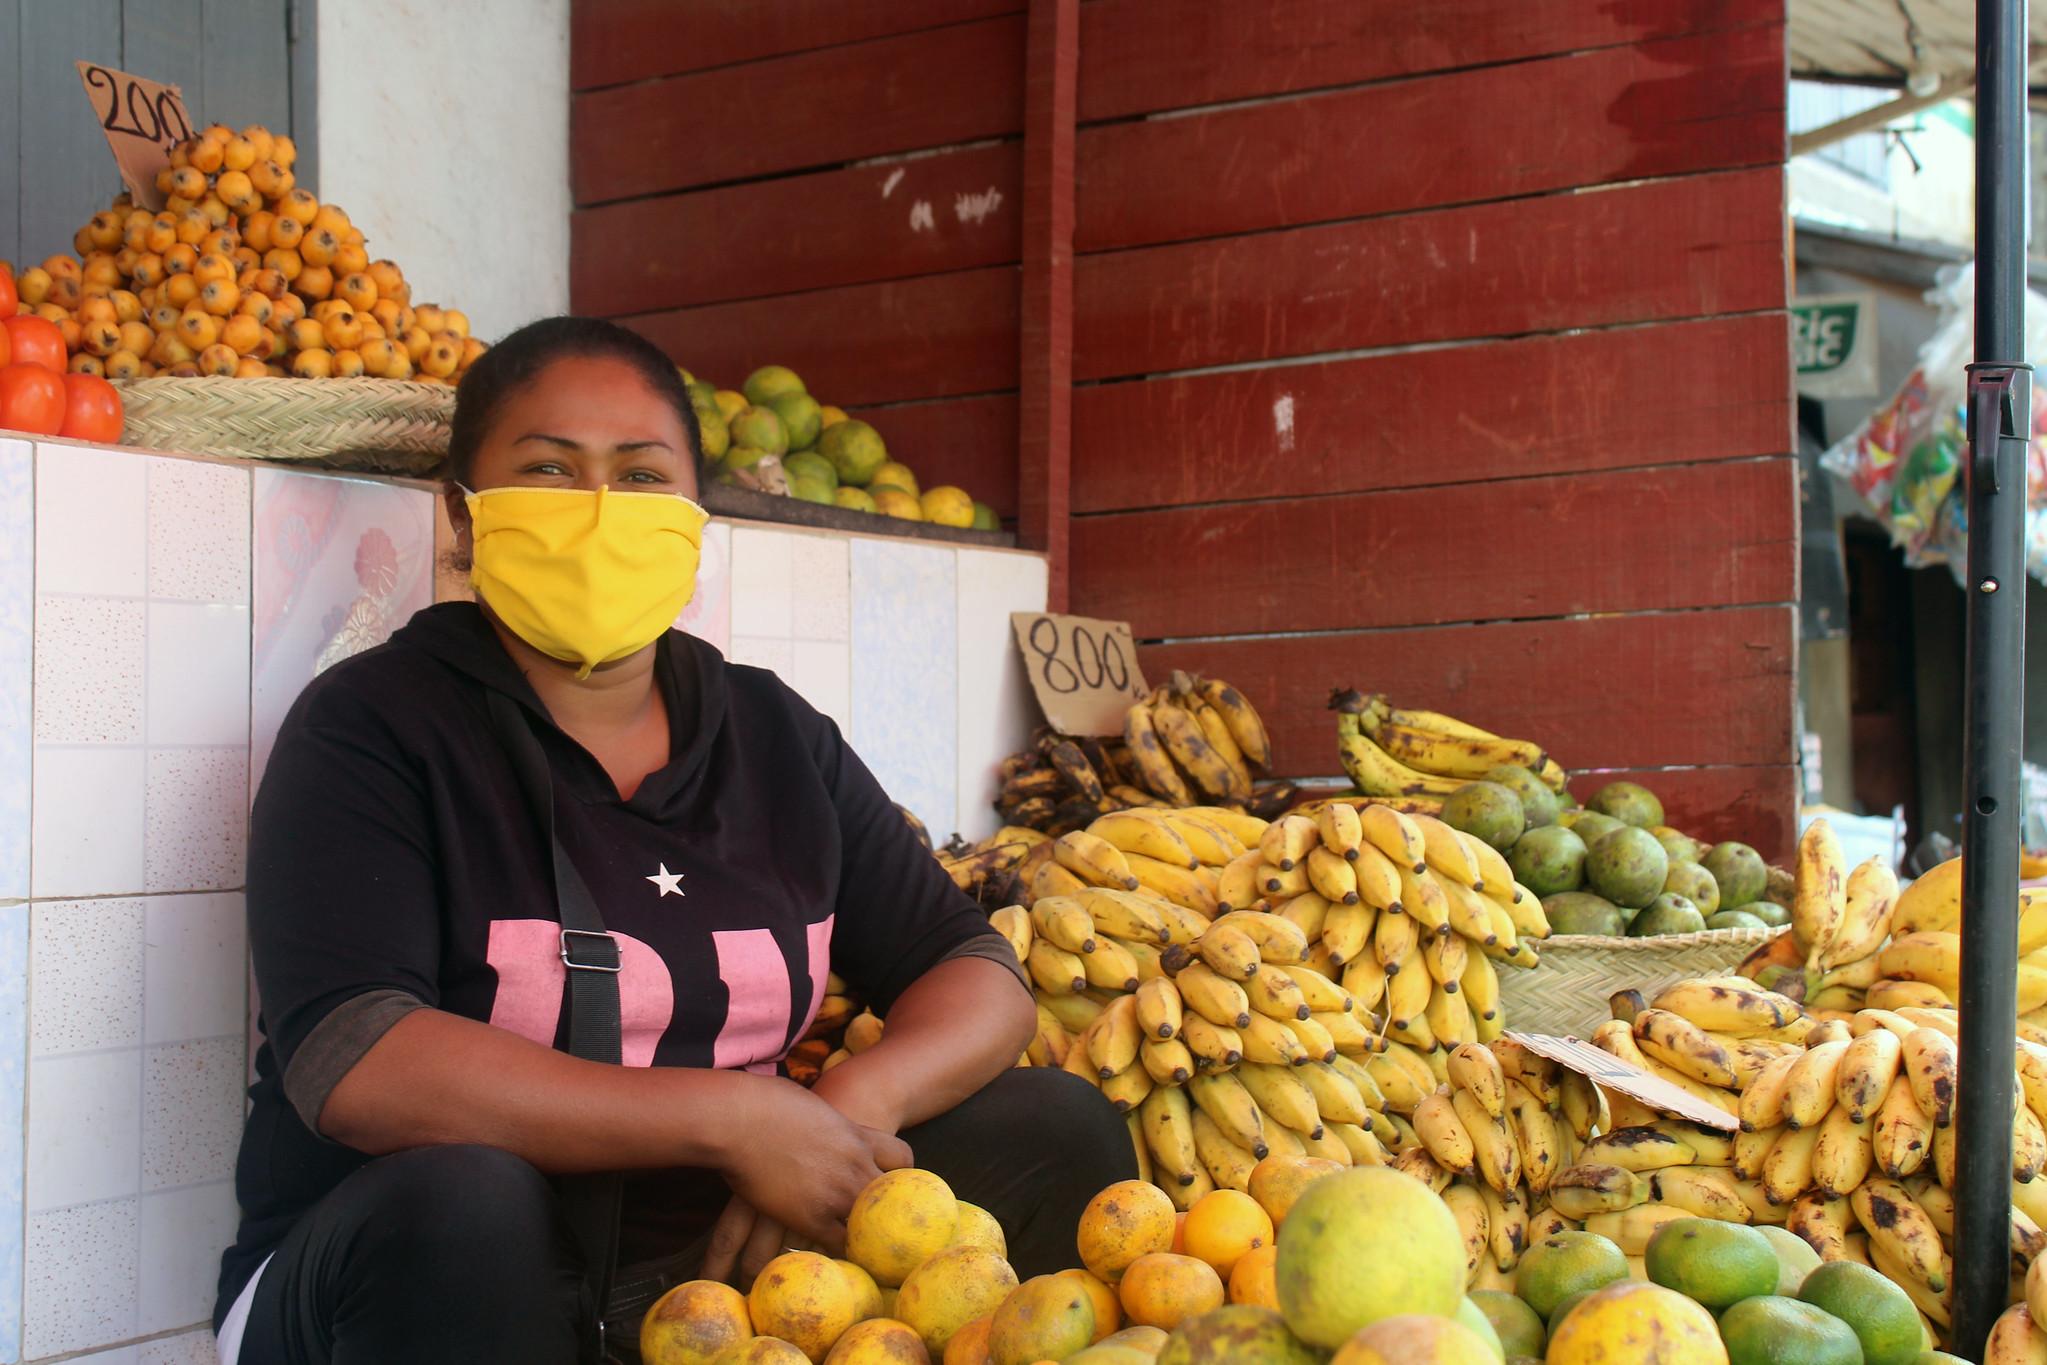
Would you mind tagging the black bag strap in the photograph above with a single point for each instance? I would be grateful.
(591, 956)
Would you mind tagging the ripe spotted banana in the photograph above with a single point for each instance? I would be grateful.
(1094, 860)
(1733, 1006)
(1702, 1192)
(1216, 731)
(1819, 904)
(1343, 833)
(1845, 1153)
(1897, 1224)
(1154, 768)
(1870, 897)
(1468, 1207)
(1130, 832)
(1903, 1136)
(1226, 1162)
(1868, 1068)
(1282, 1096)
(1225, 1100)
(1395, 835)
(1245, 725)
(1676, 1041)
(1167, 1119)
(1930, 1064)
(1498, 1156)
(1215, 1047)
(1444, 1135)
(1589, 1187)
(1809, 1090)
(1127, 915)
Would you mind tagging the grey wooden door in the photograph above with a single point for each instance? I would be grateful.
(237, 61)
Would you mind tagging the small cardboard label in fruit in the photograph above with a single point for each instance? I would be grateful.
(142, 120)
(1084, 671)
(1600, 1066)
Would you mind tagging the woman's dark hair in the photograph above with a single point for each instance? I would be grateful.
(515, 361)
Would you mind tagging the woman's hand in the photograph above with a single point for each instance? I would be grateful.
(797, 1165)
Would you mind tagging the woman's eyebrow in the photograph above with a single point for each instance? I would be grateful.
(565, 443)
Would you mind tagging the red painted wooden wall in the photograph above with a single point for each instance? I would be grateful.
(1435, 348)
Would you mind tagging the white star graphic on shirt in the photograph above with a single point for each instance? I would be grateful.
(669, 882)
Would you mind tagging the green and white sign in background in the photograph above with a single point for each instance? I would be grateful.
(1833, 345)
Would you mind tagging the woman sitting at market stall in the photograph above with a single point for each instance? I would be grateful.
(516, 819)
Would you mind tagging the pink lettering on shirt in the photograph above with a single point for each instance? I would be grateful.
(756, 978)
(526, 955)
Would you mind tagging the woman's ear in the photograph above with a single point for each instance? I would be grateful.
(457, 503)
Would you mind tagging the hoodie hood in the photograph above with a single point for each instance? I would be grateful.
(689, 672)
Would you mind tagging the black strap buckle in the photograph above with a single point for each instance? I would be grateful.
(600, 956)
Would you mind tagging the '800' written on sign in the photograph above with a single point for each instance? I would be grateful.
(1083, 671)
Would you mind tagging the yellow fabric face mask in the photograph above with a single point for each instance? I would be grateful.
(587, 578)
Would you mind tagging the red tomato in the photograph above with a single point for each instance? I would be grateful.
(10, 299)
(36, 341)
(92, 410)
(31, 400)
(6, 348)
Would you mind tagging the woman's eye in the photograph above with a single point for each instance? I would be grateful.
(645, 476)
(548, 467)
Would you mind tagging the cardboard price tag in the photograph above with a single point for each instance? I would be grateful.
(1597, 1064)
(1083, 671)
(142, 119)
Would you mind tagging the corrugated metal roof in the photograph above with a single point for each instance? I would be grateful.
(1880, 42)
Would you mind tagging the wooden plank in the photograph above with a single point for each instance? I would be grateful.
(1666, 108)
(1757, 806)
(614, 41)
(922, 216)
(899, 94)
(248, 63)
(1045, 394)
(1148, 55)
(1722, 390)
(970, 442)
(939, 336)
(1667, 249)
(1658, 539)
(165, 40)
(1676, 689)
(67, 173)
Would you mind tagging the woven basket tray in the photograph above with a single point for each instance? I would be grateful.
(1568, 993)
(383, 426)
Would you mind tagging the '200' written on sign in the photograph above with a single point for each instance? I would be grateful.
(142, 119)
(1084, 671)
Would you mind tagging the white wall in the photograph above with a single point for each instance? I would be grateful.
(444, 134)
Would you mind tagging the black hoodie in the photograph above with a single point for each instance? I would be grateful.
(393, 865)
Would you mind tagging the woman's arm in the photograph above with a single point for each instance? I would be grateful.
(437, 1078)
(953, 1030)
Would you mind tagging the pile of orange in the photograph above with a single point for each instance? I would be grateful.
(242, 275)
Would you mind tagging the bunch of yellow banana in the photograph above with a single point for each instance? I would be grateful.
(1303, 982)
(1493, 1139)
(1389, 751)
(1845, 1122)
(1196, 739)
(1859, 940)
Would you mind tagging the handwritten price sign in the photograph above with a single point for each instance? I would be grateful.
(1083, 671)
(142, 120)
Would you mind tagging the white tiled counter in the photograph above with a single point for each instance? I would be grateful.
(157, 617)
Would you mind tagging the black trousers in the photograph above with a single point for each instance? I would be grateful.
(447, 1254)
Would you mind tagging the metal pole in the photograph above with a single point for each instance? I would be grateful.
(2000, 422)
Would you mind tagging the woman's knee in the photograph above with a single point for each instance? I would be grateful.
(1061, 1116)
(455, 1199)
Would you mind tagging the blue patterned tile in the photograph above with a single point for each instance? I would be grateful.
(17, 663)
(13, 1072)
(905, 674)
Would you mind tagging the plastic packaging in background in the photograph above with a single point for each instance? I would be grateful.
(1905, 459)
(1862, 836)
